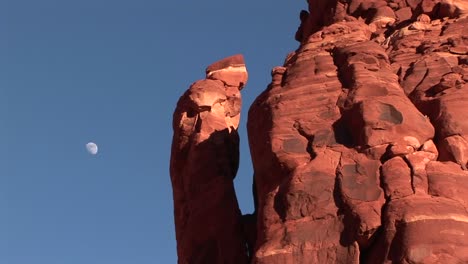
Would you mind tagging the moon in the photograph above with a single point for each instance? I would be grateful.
(92, 148)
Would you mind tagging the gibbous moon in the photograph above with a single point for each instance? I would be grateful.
(92, 148)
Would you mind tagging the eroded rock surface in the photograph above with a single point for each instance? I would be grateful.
(359, 144)
(204, 162)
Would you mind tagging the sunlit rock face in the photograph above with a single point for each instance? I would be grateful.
(204, 162)
(359, 143)
(231, 71)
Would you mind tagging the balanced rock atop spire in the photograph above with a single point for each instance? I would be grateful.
(204, 162)
(230, 70)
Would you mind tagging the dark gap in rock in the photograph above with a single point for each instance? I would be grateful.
(279, 203)
(343, 68)
(408, 163)
(342, 132)
(373, 253)
(310, 139)
(348, 235)
(249, 226)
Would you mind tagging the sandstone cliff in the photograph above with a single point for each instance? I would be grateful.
(204, 162)
(359, 144)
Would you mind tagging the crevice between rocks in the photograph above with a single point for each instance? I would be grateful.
(411, 172)
(309, 138)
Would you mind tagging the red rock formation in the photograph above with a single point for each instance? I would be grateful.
(342, 140)
(359, 144)
(204, 162)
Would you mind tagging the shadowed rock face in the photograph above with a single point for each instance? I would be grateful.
(360, 142)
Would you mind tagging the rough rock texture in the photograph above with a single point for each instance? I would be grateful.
(204, 162)
(359, 143)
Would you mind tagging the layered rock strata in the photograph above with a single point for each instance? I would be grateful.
(359, 144)
(204, 162)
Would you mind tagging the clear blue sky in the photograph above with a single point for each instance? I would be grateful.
(111, 72)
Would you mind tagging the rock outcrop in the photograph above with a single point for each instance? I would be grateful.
(204, 162)
(359, 143)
